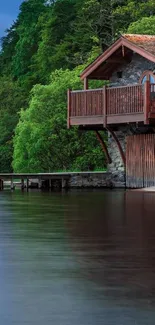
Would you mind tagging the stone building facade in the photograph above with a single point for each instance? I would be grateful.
(130, 75)
(131, 72)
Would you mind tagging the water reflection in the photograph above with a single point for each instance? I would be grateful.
(82, 257)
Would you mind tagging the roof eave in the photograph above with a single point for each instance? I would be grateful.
(103, 57)
(95, 64)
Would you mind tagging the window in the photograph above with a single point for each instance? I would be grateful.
(147, 76)
(119, 74)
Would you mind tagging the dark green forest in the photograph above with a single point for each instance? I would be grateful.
(42, 55)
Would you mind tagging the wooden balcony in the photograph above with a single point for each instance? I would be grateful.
(112, 105)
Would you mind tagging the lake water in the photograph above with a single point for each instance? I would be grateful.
(77, 258)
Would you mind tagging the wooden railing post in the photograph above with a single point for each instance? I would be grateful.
(147, 93)
(85, 95)
(69, 108)
(85, 83)
(104, 106)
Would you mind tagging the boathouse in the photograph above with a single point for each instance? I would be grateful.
(125, 108)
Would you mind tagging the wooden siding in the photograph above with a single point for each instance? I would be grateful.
(140, 161)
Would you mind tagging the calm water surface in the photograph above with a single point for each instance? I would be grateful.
(77, 258)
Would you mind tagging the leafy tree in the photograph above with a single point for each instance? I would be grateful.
(42, 141)
(11, 98)
(28, 38)
(132, 11)
(146, 25)
(8, 44)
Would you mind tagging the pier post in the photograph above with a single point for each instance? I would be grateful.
(27, 184)
(12, 184)
(63, 183)
(50, 183)
(39, 183)
(22, 184)
(1, 185)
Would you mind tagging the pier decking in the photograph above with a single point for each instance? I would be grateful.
(43, 180)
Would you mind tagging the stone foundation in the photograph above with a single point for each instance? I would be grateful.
(94, 180)
(116, 168)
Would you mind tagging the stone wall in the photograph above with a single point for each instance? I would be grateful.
(116, 168)
(90, 180)
(131, 72)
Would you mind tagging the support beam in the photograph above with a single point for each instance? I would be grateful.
(147, 93)
(1, 185)
(12, 184)
(63, 183)
(104, 106)
(118, 145)
(27, 184)
(39, 183)
(68, 108)
(22, 184)
(50, 183)
(85, 83)
(104, 147)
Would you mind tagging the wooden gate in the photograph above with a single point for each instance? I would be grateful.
(140, 161)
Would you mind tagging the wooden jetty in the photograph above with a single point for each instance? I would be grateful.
(42, 180)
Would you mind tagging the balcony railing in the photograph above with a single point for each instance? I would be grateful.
(110, 105)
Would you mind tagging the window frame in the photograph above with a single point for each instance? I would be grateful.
(146, 73)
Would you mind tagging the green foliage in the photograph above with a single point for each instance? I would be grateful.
(146, 25)
(11, 99)
(132, 11)
(42, 141)
(28, 37)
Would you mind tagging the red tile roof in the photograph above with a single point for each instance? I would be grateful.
(147, 42)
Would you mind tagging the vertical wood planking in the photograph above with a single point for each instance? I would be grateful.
(140, 161)
(119, 101)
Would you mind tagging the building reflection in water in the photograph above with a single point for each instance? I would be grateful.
(113, 238)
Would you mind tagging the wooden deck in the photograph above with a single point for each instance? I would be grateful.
(24, 179)
(112, 105)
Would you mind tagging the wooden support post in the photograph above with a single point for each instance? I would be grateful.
(147, 93)
(12, 184)
(85, 96)
(69, 108)
(27, 184)
(85, 83)
(104, 147)
(104, 106)
(1, 184)
(118, 145)
(39, 183)
(63, 183)
(50, 183)
(22, 184)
